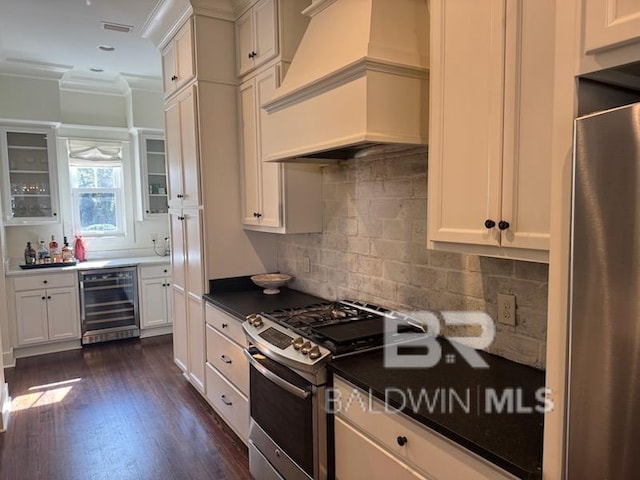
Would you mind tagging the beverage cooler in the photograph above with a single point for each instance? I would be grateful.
(109, 304)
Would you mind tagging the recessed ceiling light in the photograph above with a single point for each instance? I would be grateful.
(106, 48)
(96, 69)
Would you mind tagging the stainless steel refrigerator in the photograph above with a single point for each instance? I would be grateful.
(604, 374)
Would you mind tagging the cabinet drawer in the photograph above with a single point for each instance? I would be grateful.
(155, 271)
(436, 456)
(48, 280)
(228, 325)
(232, 405)
(351, 444)
(228, 358)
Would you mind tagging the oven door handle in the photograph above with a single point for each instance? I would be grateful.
(289, 387)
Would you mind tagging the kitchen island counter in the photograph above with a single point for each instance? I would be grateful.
(493, 412)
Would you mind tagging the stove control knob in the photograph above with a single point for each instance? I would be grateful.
(250, 318)
(304, 349)
(297, 343)
(257, 322)
(314, 352)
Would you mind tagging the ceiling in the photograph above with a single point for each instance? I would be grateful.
(62, 37)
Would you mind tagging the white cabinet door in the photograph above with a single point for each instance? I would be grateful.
(178, 245)
(31, 317)
(180, 332)
(244, 40)
(189, 148)
(257, 36)
(269, 173)
(182, 150)
(195, 327)
(251, 177)
(62, 313)
(262, 180)
(489, 148)
(609, 23)
(266, 39)
(193, 249)
(153, 311)
(465, 147)
(29, 180)
(374, 461)
(178, 60)
(174, 155)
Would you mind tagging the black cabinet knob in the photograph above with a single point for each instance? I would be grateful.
(55, 214)
(488, 223)
(502, 225)
(257, 215)
(44, 298)
(402, 441)
(224, 325)
(174, 78)
(180, 195)
(49, 297)
(45, 281)
(147, 211)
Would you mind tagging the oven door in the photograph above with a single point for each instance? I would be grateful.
(284, 420)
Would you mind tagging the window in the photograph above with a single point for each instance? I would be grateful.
(96, 174)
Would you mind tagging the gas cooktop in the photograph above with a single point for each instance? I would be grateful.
(329, 329)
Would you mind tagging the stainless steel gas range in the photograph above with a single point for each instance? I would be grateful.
(289, 351)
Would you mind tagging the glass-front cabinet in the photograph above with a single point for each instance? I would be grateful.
(29, 176)
(153, 170)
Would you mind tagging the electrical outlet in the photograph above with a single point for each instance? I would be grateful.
(507, 309)
(153, 237)
(306, 264)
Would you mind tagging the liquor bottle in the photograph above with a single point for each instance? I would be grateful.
(43, 253)
(29, 254)
(67, 254)
(54, 250)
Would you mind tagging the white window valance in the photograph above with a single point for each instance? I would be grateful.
(86, 150)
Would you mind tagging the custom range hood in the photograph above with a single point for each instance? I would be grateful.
(359, 79)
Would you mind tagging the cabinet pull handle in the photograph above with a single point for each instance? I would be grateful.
(402, 440)
(488, 223)
(225, 325)
(174, 78)
(257, 215)
(502, 225)
(252, 55)
(225, 359)
(225, 401)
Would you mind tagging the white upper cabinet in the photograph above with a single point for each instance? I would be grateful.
(490, 135)
(29, 180)
(610, 23)
(277, 198)
(152, 177)
(256, 33)
(182, 150)
(178, 62)
(269, 29)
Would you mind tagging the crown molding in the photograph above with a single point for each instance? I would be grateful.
(33, 69)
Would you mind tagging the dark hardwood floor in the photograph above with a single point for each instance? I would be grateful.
(118, 410)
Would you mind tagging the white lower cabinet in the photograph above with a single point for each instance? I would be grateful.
(227, 370)
(46, 308)
(155, 299)
(351, 444)
(396, 446)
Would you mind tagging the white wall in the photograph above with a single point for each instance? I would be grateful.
(23, 98)
(91, 115)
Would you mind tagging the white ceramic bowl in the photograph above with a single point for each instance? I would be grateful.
(271, 282)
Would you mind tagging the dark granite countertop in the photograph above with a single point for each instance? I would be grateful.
(512, 441)
(240, 296)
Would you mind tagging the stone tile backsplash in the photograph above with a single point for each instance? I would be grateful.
(373, 248)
